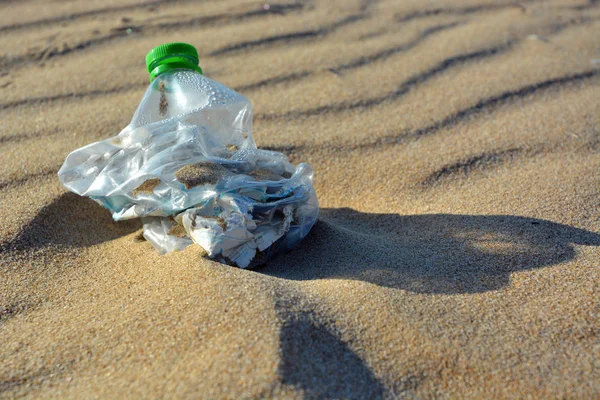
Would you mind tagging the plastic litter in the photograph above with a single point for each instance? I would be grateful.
(188, 167)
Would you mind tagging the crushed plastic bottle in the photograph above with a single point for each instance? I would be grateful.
(188, 166)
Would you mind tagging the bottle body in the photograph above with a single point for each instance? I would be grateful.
(190, 97)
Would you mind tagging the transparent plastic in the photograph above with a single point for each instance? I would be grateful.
(188, 166)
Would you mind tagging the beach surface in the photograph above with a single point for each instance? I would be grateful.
(456, 149)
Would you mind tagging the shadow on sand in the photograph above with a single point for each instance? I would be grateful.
(432, 253)
(435, 253)
(70, 221)
(316, 360)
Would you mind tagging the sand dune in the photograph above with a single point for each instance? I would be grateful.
(456, 149)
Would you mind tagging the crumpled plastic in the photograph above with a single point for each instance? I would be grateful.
(194, 181)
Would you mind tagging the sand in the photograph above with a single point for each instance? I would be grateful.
(203, 173)
(456, 149)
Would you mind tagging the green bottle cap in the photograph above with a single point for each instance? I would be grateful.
(171, 56)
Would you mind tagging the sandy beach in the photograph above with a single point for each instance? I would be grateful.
(456, 149)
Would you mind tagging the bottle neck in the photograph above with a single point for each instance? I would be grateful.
(172, 65)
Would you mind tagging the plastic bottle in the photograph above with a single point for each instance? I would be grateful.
(187, 164)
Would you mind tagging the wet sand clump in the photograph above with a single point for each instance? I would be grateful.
(147, 187)
(204, 173)
(263, 174)
(178, 231)
(163, 105)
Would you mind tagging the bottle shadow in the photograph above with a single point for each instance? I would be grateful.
(70, 221)
(431, 253)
